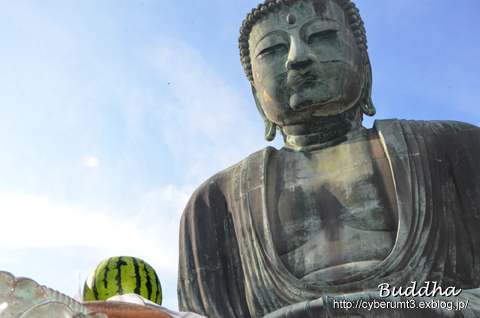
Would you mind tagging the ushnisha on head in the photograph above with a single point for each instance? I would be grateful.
(306, 59)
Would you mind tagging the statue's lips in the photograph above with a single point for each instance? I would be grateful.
(298, 79)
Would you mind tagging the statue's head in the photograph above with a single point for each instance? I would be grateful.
(306, 59)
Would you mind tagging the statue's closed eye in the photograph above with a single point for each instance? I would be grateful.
(273, 49)
(318, 36)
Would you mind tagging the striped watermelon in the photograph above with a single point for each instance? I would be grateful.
(122, 275)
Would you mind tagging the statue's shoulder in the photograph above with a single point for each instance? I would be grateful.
(225, 177)
(442, 127)
(224, 184)
(433, 129)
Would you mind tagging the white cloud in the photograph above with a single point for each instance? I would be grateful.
(32, 221)
(66, 233)
(37, 221)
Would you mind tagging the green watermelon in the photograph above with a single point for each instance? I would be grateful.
(123, 275)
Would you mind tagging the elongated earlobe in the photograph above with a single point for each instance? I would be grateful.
(270, 130)
(366, 103)
(368, 108)
(270, 127)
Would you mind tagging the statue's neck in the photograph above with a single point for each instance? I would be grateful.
(324, 132)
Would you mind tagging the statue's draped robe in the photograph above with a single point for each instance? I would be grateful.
(229, 266)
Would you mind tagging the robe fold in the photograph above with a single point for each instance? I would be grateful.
(229, 266)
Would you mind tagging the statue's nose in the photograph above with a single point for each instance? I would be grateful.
(299, 55)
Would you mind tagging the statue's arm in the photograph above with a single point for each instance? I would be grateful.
(210, 275)
(461, 141)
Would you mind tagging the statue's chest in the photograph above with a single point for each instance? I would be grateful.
(333, 195)
(349, 197)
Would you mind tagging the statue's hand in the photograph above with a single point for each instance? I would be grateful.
(314, 309)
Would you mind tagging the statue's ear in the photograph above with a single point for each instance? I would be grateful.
(270, 128)
(366, 103)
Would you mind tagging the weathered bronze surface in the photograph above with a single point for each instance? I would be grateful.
(340, 209)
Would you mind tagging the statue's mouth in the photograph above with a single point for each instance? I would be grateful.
(297, 79)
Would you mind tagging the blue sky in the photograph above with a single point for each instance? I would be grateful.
(113, 112)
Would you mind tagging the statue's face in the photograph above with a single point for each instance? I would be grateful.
(308, 68)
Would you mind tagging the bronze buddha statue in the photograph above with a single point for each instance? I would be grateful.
(340, 209)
